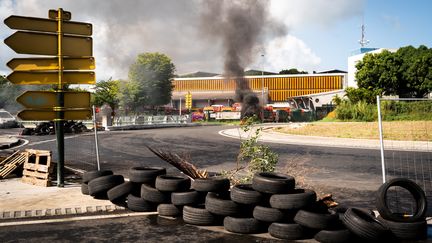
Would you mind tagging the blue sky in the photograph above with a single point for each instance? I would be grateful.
(389, 24)
(320, 34)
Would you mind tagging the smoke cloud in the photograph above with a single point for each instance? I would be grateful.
(240, 26)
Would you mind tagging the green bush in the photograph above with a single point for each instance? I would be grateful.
(360, 111)
(406, 110)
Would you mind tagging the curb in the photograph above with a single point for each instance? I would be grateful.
(151, 126)
(59, 211)
(13, 143)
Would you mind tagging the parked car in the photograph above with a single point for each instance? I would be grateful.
(7, 120)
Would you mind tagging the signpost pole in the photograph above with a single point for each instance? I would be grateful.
(60, 108)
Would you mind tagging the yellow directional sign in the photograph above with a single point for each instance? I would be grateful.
(48, 99)
(53, 14)
(47, 25)
(48, 63)
(49, 115)
(46, 44)
(69, 77)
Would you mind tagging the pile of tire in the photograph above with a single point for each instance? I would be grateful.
(99, 182)
(402, 226)
(270, 204)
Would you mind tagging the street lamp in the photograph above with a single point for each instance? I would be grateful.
(262, 81)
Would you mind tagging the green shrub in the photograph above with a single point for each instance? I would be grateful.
(360, 111)
(406, 110)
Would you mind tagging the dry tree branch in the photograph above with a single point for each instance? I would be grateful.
(180, 163)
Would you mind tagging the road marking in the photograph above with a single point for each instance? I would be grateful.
(46, 221)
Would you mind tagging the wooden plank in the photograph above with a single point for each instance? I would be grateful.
(35, 181)
(36, 167)
(12, 164)
(36, 174)
(10, 167)
(8, 158)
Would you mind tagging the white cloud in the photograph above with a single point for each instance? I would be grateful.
(297, 14)
(287, 52)
(123, 29)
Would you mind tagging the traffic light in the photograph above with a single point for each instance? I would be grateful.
(188, 100)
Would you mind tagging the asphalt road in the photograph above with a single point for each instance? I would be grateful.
(124, 229)
(351, 175)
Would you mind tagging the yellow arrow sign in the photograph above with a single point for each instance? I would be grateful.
(46, 44)
(69, 77)
(48, 63)
(53, 14)
(49, 115)
(47, 25)
(48, 99)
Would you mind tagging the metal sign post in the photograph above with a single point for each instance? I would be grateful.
(70, 45)
(59, 121)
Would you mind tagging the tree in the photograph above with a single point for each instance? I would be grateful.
(292, 71)
(406, 73)
(8, 93)
(107, 92)
(151, 76)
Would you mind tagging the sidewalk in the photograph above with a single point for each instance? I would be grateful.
(20, 200)
(271, 136)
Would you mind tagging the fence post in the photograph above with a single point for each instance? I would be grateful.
(381, 138)
(96, 136)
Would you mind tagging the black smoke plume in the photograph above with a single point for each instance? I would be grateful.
(239, 25)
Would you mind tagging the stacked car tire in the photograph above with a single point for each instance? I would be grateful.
(402, 226)
(270, 204)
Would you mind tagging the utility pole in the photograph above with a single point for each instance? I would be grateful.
(262, 81)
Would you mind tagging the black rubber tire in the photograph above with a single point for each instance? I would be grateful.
(296, 200)
(317, 221)
(272, 215)
(220, 204)
(171, 183)
(334, 236)
(245, 194)
(90, 175)
(138, 204)
(198, 215)
(407, 230)
(145, 174)
(211, 184)
(416, 192)
(190, 197)
(169, 210)
(273, 183)
(84, 189)
(289, 231)
(102, 184)
(120, 192)
(365, 225)
(242, 225)
(154, 195)
(340, 210)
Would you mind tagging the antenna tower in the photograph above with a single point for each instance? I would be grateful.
(363, 41)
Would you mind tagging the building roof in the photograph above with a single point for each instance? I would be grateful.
(197, 74)
(334, 71)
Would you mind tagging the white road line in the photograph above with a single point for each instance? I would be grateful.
(46, 221)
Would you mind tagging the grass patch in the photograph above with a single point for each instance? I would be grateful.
(393, 130)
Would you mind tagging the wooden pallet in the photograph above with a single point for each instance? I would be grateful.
(12, 162)
(37, 167)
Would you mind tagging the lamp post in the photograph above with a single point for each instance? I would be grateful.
(262, 81)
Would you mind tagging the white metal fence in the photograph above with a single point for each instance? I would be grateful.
(406, 147)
